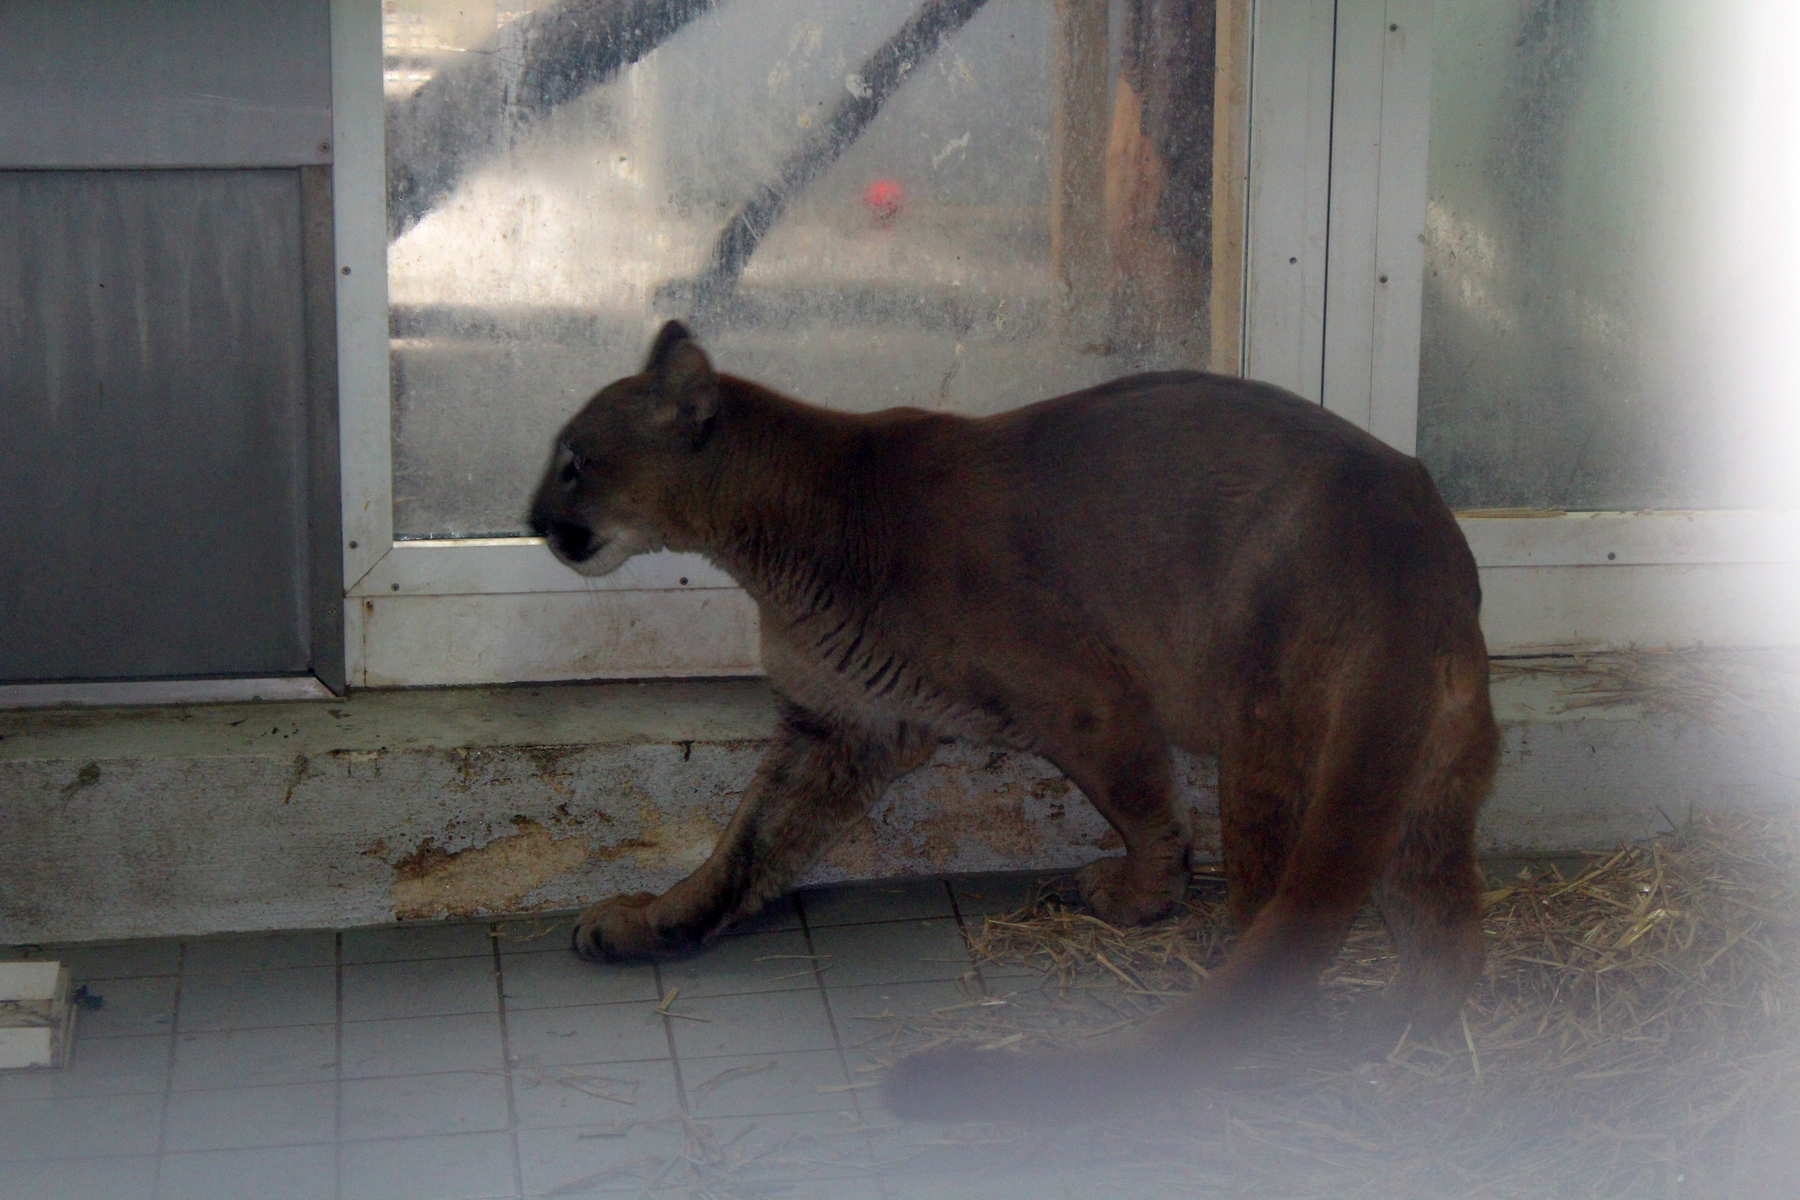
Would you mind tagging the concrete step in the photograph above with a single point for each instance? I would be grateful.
(410, 804)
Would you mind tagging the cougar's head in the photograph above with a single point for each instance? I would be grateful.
(617, 469)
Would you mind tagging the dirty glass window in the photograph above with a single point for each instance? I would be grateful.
(1609, 318)
(961, 205)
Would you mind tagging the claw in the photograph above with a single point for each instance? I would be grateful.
(622, 938)
(581, 941)
(1107, 887)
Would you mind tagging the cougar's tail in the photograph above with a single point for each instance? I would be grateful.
(1197, 1038)
(1164, 1058)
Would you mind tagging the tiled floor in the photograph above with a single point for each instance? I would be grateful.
(454, 1061)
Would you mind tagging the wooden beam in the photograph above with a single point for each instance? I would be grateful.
(1078, 152)
(1230, 181)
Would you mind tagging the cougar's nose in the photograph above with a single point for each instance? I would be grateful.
(573, 540)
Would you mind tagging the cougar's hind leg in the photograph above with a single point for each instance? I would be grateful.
(817, 779)
(1430, 899)
(1136, 795)
(1348, 749)
(1108, 743)
(1430, 891)
(1360, 756)
(1262, 778)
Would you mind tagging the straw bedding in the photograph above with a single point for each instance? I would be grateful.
(1637, 1033)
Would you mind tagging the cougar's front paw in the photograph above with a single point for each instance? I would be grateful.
(615, 930)
(1119, 896)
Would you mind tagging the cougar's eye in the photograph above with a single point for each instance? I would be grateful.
(569, 465)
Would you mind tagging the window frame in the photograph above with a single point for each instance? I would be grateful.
(1337, 130)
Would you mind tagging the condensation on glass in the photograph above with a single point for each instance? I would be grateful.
(960, 205)
(1609, 318)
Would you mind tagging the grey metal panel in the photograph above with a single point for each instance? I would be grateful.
(153, 517)
(133, 83)
(325, 514)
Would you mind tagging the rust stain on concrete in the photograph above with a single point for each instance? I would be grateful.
(303, 770)
(552, 765)
(87, 777)
(496, 877)
(995, 821)
(858, 852)
(660, 842)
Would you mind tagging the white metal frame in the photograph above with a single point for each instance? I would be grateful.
(134, 692)
(1339, 115)
(1339, 143)
(492, 609)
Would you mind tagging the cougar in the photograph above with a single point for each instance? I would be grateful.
(1168, 560)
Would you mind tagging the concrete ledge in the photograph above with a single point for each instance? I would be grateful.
(187, 820)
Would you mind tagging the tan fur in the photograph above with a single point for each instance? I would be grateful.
(1168, 560)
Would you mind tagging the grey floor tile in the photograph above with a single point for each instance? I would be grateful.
(423, 1105)
(752, 1023)
(602, 1159)
(421, 988)
(80, 1179)
(549, 932)
(535, 933)
(893, 952)
(602, 1094)
(1138, 1182)
(804, 1146)
(422, 1045)
(816, 1155)
(98, 1067)
(870, 1007)
(594, 1033)
(857, 903)
(1013, 974)
(469, 1166)
(272, 1173)
(258, 999)
(979, 896)
(290, 1114)
(89, 961)
(260, 951)
(397, 943)
(562, 980)
(132, 1008)
(918, 1155)
(763, 962)
(248, 1057)
(867, 1017)
(778, 914)
(829, 1189)
(79, 1126)
(989, 1183)
(766, 1084)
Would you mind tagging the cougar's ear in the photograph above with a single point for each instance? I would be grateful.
(666, 338)
(685, 377)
